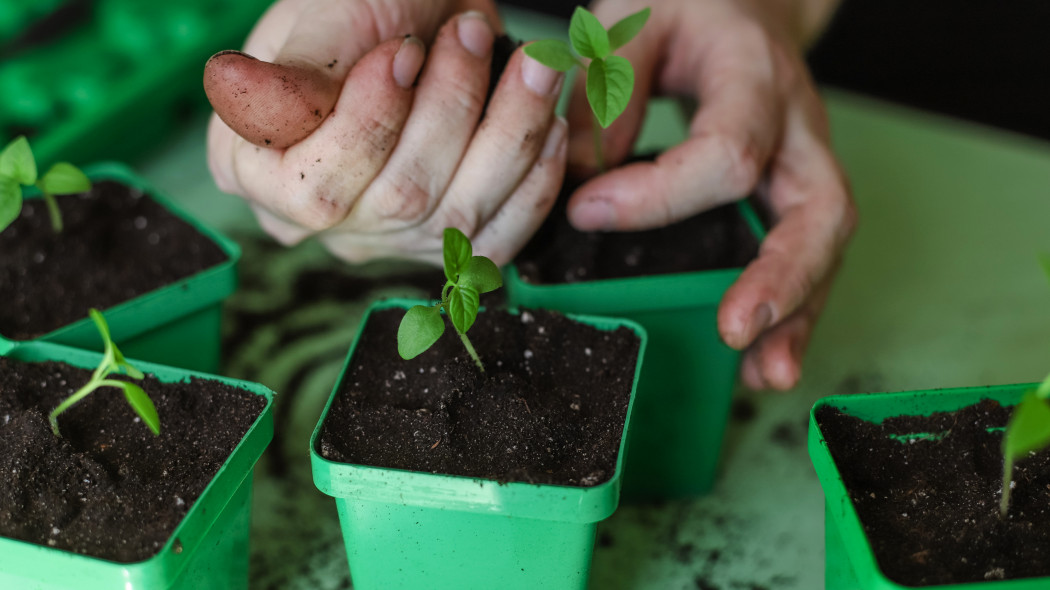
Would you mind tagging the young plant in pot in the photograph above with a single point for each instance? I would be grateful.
(103, 238)
(670, 280)
(941, 488)
(98, 494)
(471, 462)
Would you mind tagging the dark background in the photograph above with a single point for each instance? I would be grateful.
(982, 60)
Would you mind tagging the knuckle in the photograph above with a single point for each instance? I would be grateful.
(319, 207)
(742, 156)
(512, 141)
(465, 93)
(378, 134)
(405, 199)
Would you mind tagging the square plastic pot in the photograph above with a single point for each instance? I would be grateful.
(686, 388)
(115, 99)
(415, 530)
(207, 551)
(849, 559)
(177, 325)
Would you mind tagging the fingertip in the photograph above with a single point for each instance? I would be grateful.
(592, 213)
(268, 104)
(475, 33)
(781, 370)
(750, 374)
(408, 61)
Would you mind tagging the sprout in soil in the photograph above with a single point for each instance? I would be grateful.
(112, 362)
(610, 78)
(468, 277)
(18, 169)
(1029, 427)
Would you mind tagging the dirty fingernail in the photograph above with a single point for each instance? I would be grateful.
(408, 61)
(475, 33)
(760, 320)
(539, 78)
(555, 138)
(594, 214)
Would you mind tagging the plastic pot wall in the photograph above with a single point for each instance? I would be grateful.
(413, 530)
(686, 387)
(177, 325)
(849, 559)
(207, 551)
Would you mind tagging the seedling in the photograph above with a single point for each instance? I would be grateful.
(468, 277)
(112, 362)
(1029, 427)
(18, 169)
(610, 78)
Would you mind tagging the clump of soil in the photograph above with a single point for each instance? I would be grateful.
(117, 244)
(930, 507)
(108, 487)
(550, 407)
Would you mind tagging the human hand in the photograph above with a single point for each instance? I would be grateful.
(760, 127)
(337, 137)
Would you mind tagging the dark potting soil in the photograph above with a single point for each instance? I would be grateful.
(117, 244)
(558, 253)
(550, 407)
(931, 507)
(108, 468)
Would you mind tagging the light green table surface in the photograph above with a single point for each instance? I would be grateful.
(941, 287)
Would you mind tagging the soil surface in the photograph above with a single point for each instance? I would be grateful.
(931, 507)
(558, 253)
(116, 245)
(550, 407)
(108, 467)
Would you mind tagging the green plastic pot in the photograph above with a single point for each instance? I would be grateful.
(114, 99)
(686, 388)
(415, 530)
(849, 559)
(207, 551)
(176, 325)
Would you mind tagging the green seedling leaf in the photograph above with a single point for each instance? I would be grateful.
(481, 274)
(124, 365)
(552, 53)
(463, 304)
(142, 404)
(468, 276)
(1029, 427)
(112, 361)
(16, 161)
(588, 36)
(627, 29)
(100, 325)
(609, 86)
(419, 330)
(10, 201)
(457, 251)
(64, 179)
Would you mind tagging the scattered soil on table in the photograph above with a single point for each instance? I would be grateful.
(117, 244)
(550, 407)
(558, 253)
(930, 508)
(108, 467)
